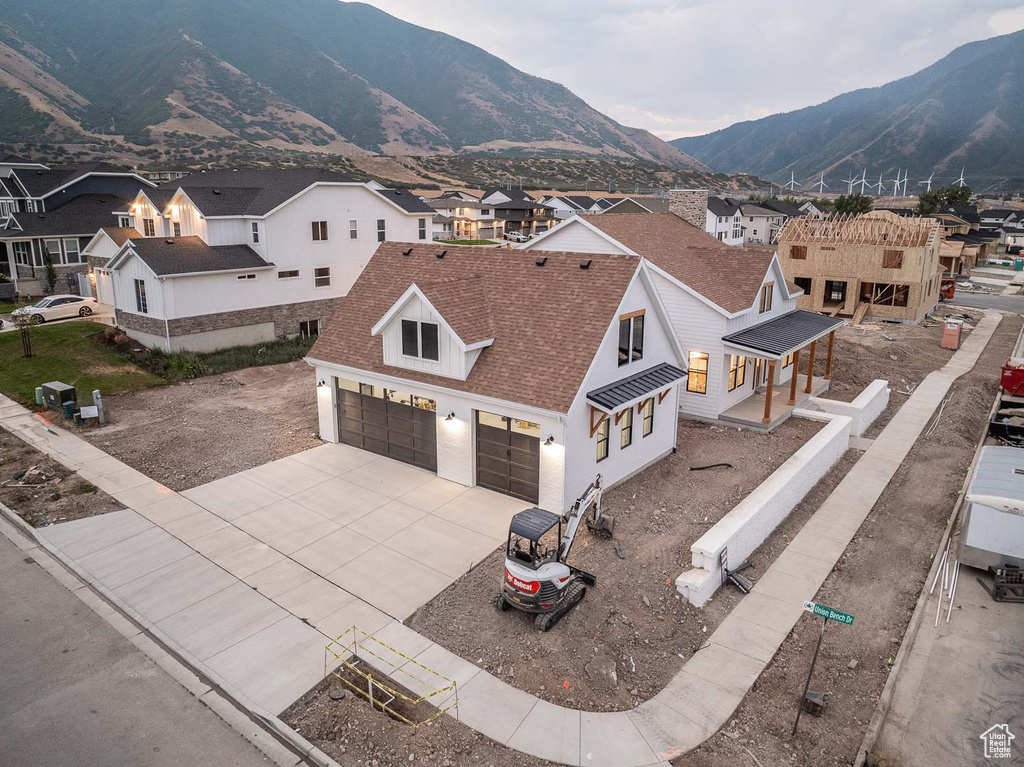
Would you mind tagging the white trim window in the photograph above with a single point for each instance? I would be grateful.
(124, 221)
(382, 230)
(309, 328)
(288, 274)
(319, 231)
(148, 227)
(322, 277)
(52, 248)
(140, 297)
(176, 228)
(423, 229)
(255, 232)
(72, 251)
(23, 253)
(421, 340)
(353, 229)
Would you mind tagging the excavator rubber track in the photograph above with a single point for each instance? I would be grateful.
(547, 621)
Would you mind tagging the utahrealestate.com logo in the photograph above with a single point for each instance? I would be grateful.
(998, 741)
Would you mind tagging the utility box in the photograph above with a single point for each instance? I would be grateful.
(55, 394)
(951, 334)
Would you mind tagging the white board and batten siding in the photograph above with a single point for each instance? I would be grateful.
(453, 361)
(123, 279)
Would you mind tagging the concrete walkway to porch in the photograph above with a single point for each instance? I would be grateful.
(698, 700)
(750, 412)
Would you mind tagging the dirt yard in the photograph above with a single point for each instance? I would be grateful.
(632, 632)
(42, 491)
(878, 580)
(197, 431)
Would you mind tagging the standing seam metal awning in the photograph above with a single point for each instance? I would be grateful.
(784, 335)
(635, 386)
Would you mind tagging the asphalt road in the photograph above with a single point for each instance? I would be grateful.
(986, 301)
(75, 693)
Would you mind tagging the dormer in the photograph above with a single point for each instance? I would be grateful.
(437, 327)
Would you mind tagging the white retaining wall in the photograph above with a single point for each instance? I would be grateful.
(744, 528)
(862, 411)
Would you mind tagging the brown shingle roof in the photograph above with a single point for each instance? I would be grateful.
(727, 276)
(464, 305)
(121, 234)
(547, 321)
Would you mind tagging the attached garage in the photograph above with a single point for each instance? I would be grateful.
(388, 422)
(508, 455)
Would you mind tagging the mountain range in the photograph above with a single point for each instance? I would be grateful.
(964, 111)
(197, 77)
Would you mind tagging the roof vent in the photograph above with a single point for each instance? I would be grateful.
(585, 263)
(542, 260)
(407, 252)
(442, 254)
(169, 242)
(216, 191)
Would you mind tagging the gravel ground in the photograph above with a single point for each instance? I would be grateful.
(194, 432)
(42, 491)
(633, 631)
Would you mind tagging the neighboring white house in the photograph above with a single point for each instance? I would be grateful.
(525, 373)
(228, 258)
(568, 205)
(732, 310)
(724, 221)
(761, 226)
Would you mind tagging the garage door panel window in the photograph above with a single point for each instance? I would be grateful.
(508, 455)
(388, 422)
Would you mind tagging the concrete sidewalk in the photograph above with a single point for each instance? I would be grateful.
(699, 699)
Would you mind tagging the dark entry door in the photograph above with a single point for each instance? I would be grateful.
(390, 423)
(508, 455)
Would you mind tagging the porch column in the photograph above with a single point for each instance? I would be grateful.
(810, 368)
(796, 375)
(828, 359)
(768, 393)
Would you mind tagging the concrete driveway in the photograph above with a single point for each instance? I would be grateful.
(100, 313)
(252, 574)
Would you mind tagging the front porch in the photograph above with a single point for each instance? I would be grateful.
(750, 412)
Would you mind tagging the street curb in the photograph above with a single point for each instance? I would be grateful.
(906, 646)
(271, 736)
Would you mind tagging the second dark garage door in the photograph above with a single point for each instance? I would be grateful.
(390, 423)
(508, 455)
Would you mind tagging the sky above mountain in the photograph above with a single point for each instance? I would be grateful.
(687, 67)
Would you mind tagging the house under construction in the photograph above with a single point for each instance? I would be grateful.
(877, 265)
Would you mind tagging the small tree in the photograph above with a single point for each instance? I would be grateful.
(929, 202)
(51, 273)
(24, 323)
(853, 204)
(957, 195)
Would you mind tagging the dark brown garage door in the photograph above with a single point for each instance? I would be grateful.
(390, 423)
(508, 455)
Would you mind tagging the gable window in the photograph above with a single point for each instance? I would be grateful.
(309, 328)
(23, 253)
(737, 371)
(382, 233)
(485, 211)
(72, 255)
(148, 227)
(176, 228)
(423, 229)
(255, 231)
(647, 414)
(140, 297)
(319, 231)
(288, 274)
(631, 337)
(766, 298)
(892, 259)
(322, 277)
(799, 253)
(30, 206)
(697, 377)
(602, 439)
(626, 433)
(124, 221)
(353, 229)
(246, 277)
(421, 340)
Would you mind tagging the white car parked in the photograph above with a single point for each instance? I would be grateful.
(516, 237)
(56, 308)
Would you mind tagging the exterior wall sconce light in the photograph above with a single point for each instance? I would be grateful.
(322, 383)
(550, 440)
(450, 416)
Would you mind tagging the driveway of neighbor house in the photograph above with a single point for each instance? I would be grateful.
(101, 313)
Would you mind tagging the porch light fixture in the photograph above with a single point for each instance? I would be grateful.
(550, 440)
(450, 416)
(321, 383)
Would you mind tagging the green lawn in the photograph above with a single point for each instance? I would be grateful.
(64, 352)
(6, 307)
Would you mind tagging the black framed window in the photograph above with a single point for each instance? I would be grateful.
(429, 343)
(140, 297)
(737, 371)
(255, 231)
(382, 230)
(420, 339)
(626, 428)
(766, 298)
(697, 378)
(423, 229)
(647, 412)
(410, 338)
(631, 339)
(602, 439)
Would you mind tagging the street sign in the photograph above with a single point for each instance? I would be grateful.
(826, 612)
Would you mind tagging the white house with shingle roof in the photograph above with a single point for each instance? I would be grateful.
(242, 257)
(733, 312)
(528, 374)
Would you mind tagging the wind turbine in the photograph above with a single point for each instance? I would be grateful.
(850, 181)
(905, 177)
(822, 186)
(792, 182)
(961, 182)
(928, 183)
(864, 181)
(896, 183)
(879, 187)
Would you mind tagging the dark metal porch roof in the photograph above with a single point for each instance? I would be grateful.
(635, 386)
(784, 334)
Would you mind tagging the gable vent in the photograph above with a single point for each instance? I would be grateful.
(585, 263)
(542, 260)
(442, 254)
(407, 252)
